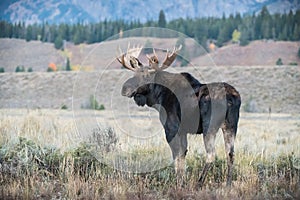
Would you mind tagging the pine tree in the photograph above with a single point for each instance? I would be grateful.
(77, 37)
(28, 33)
(244, 40)
(162, 19)
(296, 33)
(68, 66)
(58, 43)
(17, 69)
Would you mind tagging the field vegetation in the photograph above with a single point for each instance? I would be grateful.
(42, 157)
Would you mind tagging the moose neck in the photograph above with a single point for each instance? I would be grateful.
(161, 98)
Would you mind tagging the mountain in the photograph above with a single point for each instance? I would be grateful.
(73, 11)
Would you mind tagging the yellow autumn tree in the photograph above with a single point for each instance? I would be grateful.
(236, 35)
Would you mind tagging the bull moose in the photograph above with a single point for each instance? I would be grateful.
(185, 106)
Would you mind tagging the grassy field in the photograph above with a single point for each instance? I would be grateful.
(85, 154)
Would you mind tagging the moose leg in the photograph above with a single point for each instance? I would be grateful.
(229, 137)
(209, 142)
(179, 148)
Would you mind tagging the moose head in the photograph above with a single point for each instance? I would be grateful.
(139, 86)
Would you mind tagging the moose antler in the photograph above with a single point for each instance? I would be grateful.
(170, 57)
(154, 63)
(129, 59)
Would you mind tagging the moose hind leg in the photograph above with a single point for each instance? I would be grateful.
(209, 142)
(179, 149)
(229, 137)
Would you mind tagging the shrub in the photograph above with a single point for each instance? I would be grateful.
(52, 67)
(279, 62)
(93, 104)
(64, 107)
(68, 65)
(105, 139)
(49, 69)
(2, 70)
(293, 63)
(24, 157)
(20, 69)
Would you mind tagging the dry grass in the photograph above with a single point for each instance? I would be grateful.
(42, 156)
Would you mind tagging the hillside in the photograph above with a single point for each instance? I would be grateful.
(15, 52)
(35, 54)
(256, 53)
(250, 69)
(262, 88)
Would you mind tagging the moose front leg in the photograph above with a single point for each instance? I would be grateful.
(179, 149)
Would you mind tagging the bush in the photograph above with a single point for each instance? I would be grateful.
(279, 62)
(105, 139)
(2, 70)
(49, 69)
(93, 104)
(20, 69)
(68, 65)
(293, 63)
(64, 107)
(25, 157)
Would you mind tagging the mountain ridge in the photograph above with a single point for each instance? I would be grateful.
(73, 11)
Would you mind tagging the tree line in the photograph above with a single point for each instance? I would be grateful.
(242, 29)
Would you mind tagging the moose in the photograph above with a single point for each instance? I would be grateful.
(185, 106)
